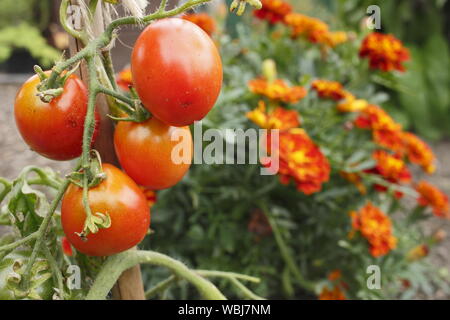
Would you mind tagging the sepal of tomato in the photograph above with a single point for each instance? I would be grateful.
(176, 71)
(119, 197)
(12, 268)
(54, 129)
(146, 150)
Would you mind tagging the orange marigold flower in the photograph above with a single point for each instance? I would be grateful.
(375, 118)
(351, 104)
(300, 160)
(329, 89)
(150, 195)
(385, 52)
(315, 30)
(419, 152)
(202, 20)
(124, 79)
(277, 90)
(391, 167)
(307, 26)
(418, 252)
(376, 227)
(431, 196)
(278, 118)
(332, 294)
(390, 139)
(332, 39)
(273, 11)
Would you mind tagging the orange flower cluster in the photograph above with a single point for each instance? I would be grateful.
(278, 118)
(384, 51)
(375, 118)
(315, 30)
(351, 104)
(419, 152)
(431, 196)
(335, 91)
(389, 134)
(329, 89)
(391, 167)
(336, 293)
(277, 90)
(301, 160)
(273, 11)
(376, 227)
(124, 79)
(332, 294)
(202, 20)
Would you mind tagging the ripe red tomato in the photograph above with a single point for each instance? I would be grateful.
(55, 129)
(118, 196)
(177, 71)
(145, 152)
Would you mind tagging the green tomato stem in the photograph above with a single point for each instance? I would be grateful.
(18, 243)
(115, 265)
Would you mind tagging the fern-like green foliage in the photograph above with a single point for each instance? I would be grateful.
(24, 36)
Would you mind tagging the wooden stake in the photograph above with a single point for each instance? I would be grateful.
(129, 286)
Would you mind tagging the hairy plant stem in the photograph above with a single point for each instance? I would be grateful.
(63, 18)
(18, 243)
(115, 265)
(55, 271)
(160, 287)
(231, 276)
(284, 250)
(43, 229)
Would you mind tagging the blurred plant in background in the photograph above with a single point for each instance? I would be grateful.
(22, 23)
(347, 198)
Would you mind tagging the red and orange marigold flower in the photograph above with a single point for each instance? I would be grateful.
(335, 293)
(419, 152)
(277, 90)
(384, 51)
(391, 167)
(273, 11)
(375, 118)
(431, 196)
(202, 20)
(313, 29)
(329, 89)
(278, 118)
(376, 227)
(301, 161)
